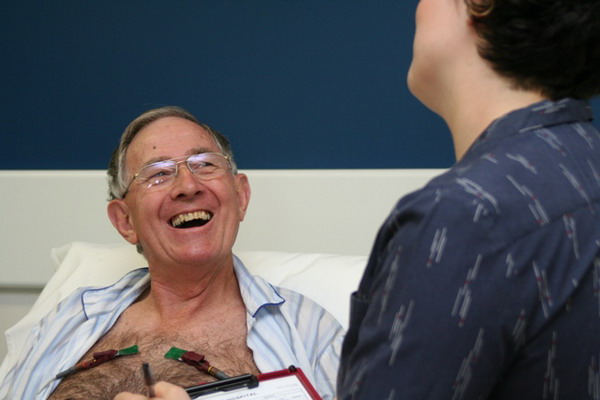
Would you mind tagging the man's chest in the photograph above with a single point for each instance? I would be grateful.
(224, 349)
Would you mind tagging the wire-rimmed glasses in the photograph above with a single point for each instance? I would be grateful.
(205, 166)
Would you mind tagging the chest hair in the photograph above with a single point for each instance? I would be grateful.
(225, 350)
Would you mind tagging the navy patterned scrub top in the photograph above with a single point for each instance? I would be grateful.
(485, 284)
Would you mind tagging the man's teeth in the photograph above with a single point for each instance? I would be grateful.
(182, 218)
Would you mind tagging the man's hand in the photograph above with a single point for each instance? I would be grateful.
(164, 390)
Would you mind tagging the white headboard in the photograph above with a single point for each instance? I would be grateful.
(313, 211)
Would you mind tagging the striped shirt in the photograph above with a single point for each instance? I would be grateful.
(284, 328)
(485, 284)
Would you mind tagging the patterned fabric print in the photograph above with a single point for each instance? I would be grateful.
(485, 284)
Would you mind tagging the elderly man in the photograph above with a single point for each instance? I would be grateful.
(485, 283)
(176, 195)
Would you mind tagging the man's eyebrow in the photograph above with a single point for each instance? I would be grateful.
(199, 150)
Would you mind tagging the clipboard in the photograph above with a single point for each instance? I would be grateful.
(290, 383)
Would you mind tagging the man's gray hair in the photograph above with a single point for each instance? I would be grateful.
(118, 179)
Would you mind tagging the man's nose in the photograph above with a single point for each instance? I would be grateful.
(185, 183)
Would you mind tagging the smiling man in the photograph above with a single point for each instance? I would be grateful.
(175, 194)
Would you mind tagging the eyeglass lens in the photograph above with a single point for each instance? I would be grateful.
(205, 166)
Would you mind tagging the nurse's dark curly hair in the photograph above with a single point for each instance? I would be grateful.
(551, 46)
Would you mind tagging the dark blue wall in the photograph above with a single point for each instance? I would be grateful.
(294, 84)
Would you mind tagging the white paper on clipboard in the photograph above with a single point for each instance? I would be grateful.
(281, 385)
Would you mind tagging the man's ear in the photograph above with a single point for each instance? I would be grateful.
(118, 213)
(242, 187)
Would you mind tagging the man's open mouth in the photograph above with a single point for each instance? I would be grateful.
(191, 220)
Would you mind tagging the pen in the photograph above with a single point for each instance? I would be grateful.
(248, 380)
(149, 380)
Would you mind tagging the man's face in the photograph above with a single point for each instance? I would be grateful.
(149, 213)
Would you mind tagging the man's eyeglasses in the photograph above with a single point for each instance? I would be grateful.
(205, 166)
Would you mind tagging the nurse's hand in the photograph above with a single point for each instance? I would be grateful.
(163, 390)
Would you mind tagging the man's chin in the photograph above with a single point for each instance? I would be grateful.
(197, 256)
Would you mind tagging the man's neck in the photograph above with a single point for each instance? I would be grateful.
(180, 294)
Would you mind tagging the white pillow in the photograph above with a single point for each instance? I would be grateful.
(326, 278)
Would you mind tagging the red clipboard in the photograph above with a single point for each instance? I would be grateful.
(292, 371)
